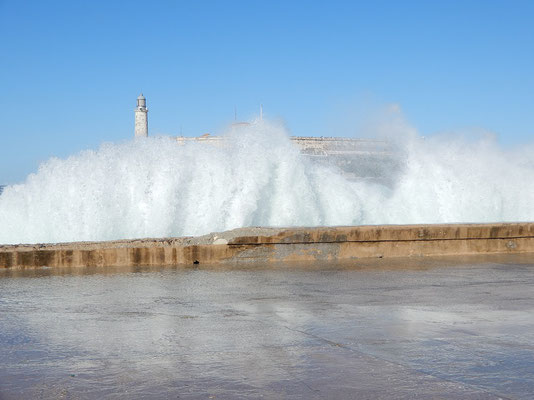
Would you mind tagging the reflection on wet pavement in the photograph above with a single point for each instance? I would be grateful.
(448, 328)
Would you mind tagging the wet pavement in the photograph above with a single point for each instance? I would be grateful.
(446, 328)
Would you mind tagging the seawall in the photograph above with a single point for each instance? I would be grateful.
(281, 245)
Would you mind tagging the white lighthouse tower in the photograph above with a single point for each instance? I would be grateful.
(141, 117)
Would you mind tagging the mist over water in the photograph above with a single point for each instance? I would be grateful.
(157, 187)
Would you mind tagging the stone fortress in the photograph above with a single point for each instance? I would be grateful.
(357, 159)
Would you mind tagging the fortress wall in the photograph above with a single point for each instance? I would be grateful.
(281, 245)
(313, 145)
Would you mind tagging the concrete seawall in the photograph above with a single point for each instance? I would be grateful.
(281, 244)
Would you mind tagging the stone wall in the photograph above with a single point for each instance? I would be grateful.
(356, 159)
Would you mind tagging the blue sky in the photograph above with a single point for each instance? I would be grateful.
(71, 70)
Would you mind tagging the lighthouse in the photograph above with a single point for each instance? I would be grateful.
(141, 117)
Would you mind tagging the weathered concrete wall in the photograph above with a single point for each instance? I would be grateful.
(281, 244)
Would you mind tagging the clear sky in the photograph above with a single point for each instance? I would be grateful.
(71, 70)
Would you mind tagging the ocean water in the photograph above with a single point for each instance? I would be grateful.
(156, 187)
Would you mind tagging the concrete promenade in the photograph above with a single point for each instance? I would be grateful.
(417, 328)
(281, 245)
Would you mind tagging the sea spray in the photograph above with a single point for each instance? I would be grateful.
(158, 187)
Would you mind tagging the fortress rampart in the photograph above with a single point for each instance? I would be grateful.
(368, 159)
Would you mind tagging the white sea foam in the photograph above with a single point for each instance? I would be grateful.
(157, 187)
